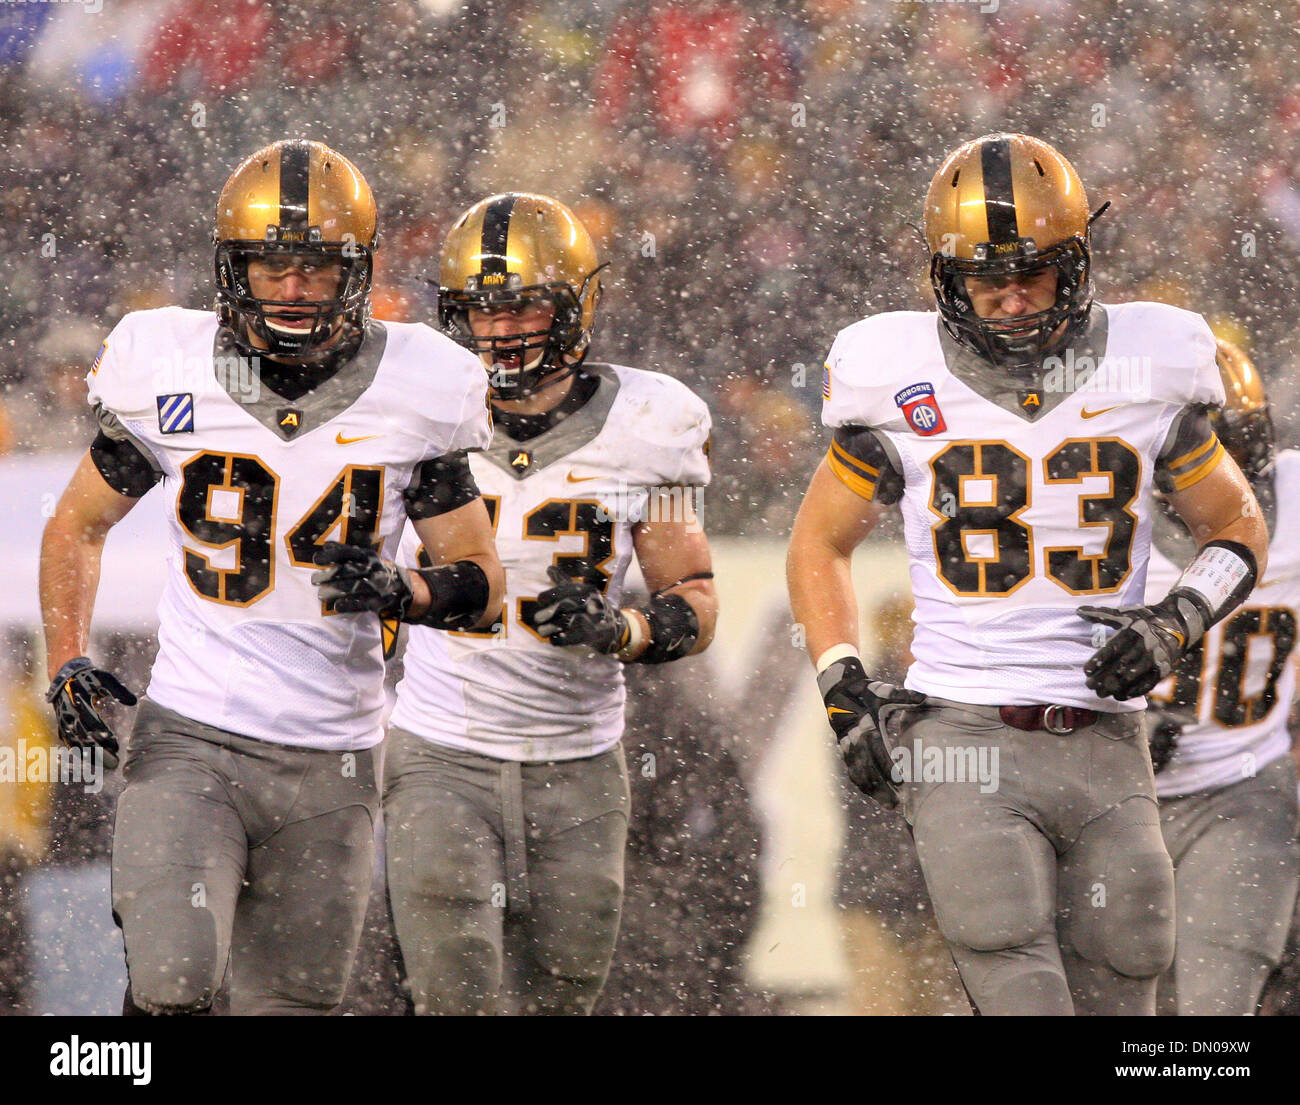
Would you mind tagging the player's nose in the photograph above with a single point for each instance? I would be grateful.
(294, 285)
(1015, 300)
(504, 326)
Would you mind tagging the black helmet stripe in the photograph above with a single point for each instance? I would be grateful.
(496, 232)
(295, 171)
(999, 199)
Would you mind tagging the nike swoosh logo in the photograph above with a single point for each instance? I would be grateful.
(341, 440)
(579, 479)
(836, 710)
(1093, 414)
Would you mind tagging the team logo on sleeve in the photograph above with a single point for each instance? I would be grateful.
(176, 413)
(921, 409)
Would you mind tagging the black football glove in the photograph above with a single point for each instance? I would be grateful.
(1166, 728)
(1149, 642)
(77, 693)
(858, 708)
(354, 579)
(575, 612)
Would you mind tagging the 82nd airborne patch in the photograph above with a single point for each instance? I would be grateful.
(921, 409)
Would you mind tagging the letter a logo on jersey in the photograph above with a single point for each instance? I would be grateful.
(921, 409)
(289, 419)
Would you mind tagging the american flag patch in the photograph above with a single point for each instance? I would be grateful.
(176, 413)
(826, 383)
(99, 357)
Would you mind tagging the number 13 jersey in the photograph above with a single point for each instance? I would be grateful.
(257, 485)
(569, 497)
(1022, 499)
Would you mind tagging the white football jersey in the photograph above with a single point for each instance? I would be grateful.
(569, 497)
(258, 484)
(1242, 679)
(1016, 512)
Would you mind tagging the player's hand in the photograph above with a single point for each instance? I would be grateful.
(1166, 728)
(1148, 643)
(858, 708)
(355, 578)
(78, 691)
(575, 612)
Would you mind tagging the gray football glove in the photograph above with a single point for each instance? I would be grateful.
(1149, 642)
(859, 709)
(77, 694)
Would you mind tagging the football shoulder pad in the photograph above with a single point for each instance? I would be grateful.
(135, 364)
(1173, 351)
(664, 426)
(871, 360)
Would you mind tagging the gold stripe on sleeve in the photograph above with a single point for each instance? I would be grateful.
(855, 483)
(1202, 470)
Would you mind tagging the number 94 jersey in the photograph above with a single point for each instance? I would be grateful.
(257, 485)
(569, 497)
(1022, 499)
(1239, 682)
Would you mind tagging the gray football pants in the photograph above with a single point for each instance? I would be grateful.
(232, 850)
(1236, 870)
(506, 879)
(1049, 878)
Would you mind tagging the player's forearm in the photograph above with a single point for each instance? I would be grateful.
(704, 601)
(69, 578)
(496, 578)
(821, 594)
(422, 597)
(1248, 529)
(700, 597)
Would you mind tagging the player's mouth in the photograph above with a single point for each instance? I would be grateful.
(292, 320)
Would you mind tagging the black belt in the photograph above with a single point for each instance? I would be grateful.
(1053, 719)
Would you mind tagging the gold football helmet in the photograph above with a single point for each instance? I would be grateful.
(1002, 205)
(303, 198)
(1244, 423)
(512, 249)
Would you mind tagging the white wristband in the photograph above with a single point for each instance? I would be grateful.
(1214, 574)
(835, 652)
(635, 635)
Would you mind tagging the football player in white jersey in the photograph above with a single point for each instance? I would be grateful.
(505, 790)
(1020, 429)
(288, 438)
(1222, 753)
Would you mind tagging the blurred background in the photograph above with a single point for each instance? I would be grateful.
(752, 169)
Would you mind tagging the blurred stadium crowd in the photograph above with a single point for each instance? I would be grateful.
(751, 168)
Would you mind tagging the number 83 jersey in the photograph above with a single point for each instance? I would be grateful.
(258, 484)
(1023, 498)
(570, 497)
